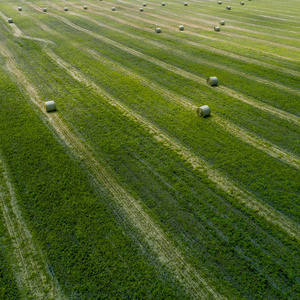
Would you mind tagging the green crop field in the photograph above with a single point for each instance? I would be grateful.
(124, 192)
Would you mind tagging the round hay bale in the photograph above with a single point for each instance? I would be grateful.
(242, 3)
(144, 4)
(181, 27)
(220, 2)
(222, 22)
(141, 9)
(217, 28)
(66, 9)
(19, 8)
(228, 7)
(44, 9)
(185, 4)
(163, 4)
(50, 106)
(113, 9)
(85, 7)
(10, 20)
(212, 81)
(203, 111)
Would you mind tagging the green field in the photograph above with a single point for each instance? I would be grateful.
(124, 192)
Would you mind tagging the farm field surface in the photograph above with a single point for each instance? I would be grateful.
(124, 192)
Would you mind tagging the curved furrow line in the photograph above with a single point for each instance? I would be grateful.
(194, 58)
(262, 106)
(209, 48)
(191, 278)
(246, 199)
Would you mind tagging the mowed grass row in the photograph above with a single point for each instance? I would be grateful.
(87, 245)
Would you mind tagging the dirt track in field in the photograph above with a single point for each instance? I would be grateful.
(162, 246)
(267, 212)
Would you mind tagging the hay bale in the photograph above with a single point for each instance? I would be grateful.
(228, 7)
(141, 9)
(181, 27)
(44, 9)
(222, 22)
(163, 4)
(50, 106)
(220, 2)
(217, 28)
(157, 30)
(113, 9)
(66, 9)
(212, 81)
(85, 7)
(185, 3)
(10, 20)
(242, 3)
(144, 4)
(19, 8)
(203, 111)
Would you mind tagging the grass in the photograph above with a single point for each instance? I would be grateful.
(239, 252)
